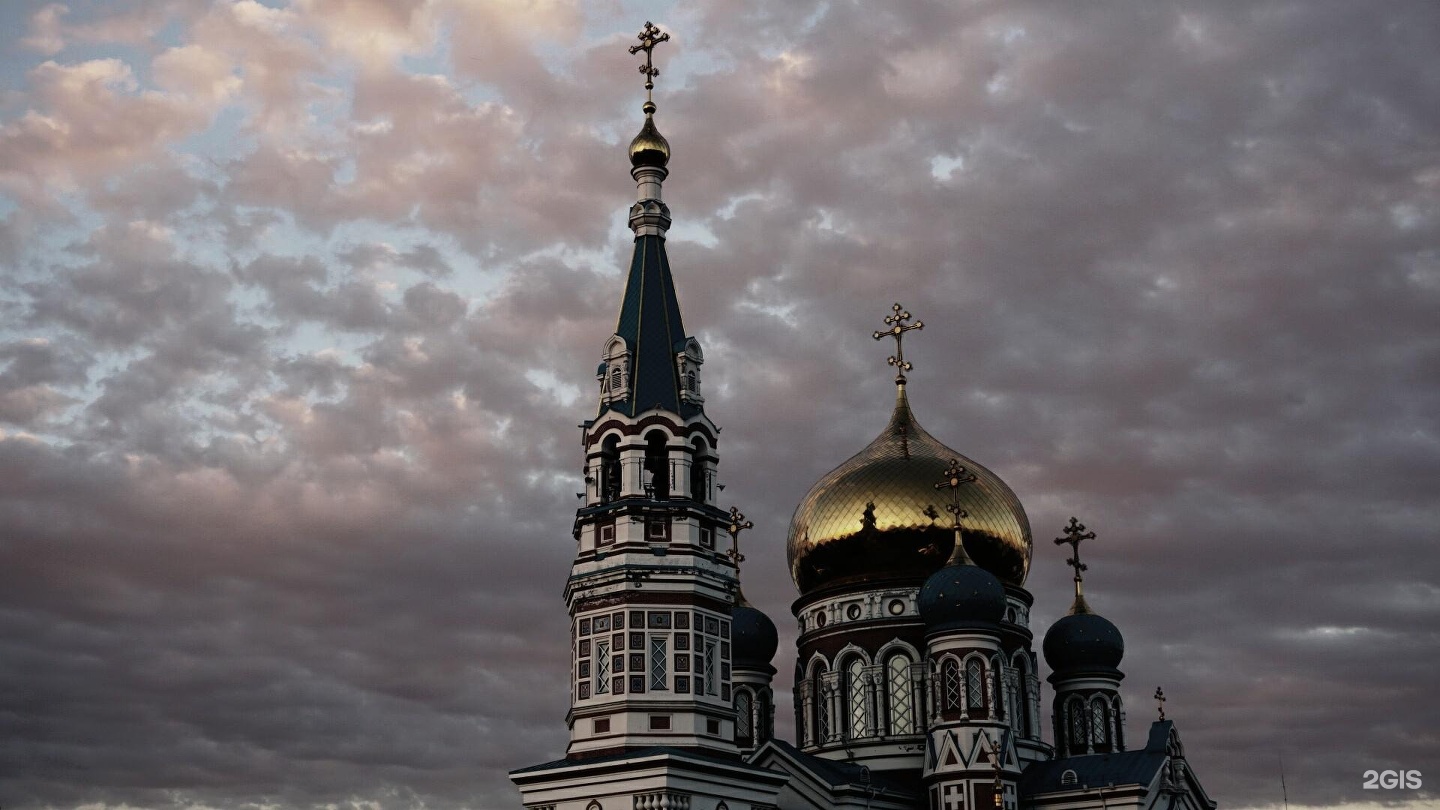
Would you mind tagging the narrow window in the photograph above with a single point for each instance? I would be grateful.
(697, 479)
(950, 677)
(822, 707)
(658, 656)
(609, 470)
(902, 715)
(855, 692)
(1022, 697)
(1099, 722)
(602, 667)
(743, 726)
(1077, 725)
(711, 687)
(974, 685)
(657, 464)
(1012, 705)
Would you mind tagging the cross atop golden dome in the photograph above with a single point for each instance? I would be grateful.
(649, 148)
(897, 330)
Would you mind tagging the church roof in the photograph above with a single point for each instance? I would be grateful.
(651, 326)
(842, 774)
(654, 752)
(1100, 770)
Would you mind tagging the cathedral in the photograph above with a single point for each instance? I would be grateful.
(916, 683)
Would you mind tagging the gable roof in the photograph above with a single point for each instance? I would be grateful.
(843, 775)
(1101, 770)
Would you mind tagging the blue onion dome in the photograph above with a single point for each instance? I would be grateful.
(962, 595)
(649, 148)
(1083, 642)
(753, 638)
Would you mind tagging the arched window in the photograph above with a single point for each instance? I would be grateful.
(609, 470)
(858, 717)
(1012, 701)
(697, 470)
(1099, 721)
(744, 728)
(657, 466)
(1022, 695)
(614, 370)
(1076, 713)
(901, 695)
(821, 703)
(951, 688)
(974, 685)
(1115, 713)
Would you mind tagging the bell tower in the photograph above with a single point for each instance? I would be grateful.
(649, 593)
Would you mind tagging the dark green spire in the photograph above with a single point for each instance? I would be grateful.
(652, 329)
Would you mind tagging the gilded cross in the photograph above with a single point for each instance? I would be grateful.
(649, 37)
(897, 330)
(738, 524)
(955, 477)
(1160, 701)
(1075, 534)
(995, 763)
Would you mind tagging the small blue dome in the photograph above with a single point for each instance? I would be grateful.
(753, 638)
(1083, 642)
(961, 595)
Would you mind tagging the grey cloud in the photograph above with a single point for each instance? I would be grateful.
(307, 540)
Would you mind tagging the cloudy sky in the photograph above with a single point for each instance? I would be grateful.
(301, 303)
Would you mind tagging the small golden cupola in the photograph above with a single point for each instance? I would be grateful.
(649, 148)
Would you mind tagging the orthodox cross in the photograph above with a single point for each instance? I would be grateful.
(1075, 534)
(897, 330)
(738, 524)
(956, 477)
(999, 774)
(649, 37)
(1160, 701)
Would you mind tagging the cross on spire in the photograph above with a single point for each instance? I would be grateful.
(897, 330)
(738, 524)
(1075, 534)
(955, 477)
(649, 37)
(1160, 701)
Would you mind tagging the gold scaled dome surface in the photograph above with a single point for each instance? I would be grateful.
(649, 148)
(879, 517)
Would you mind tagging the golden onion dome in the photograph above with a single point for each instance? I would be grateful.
(878, 516)
(649, 148)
